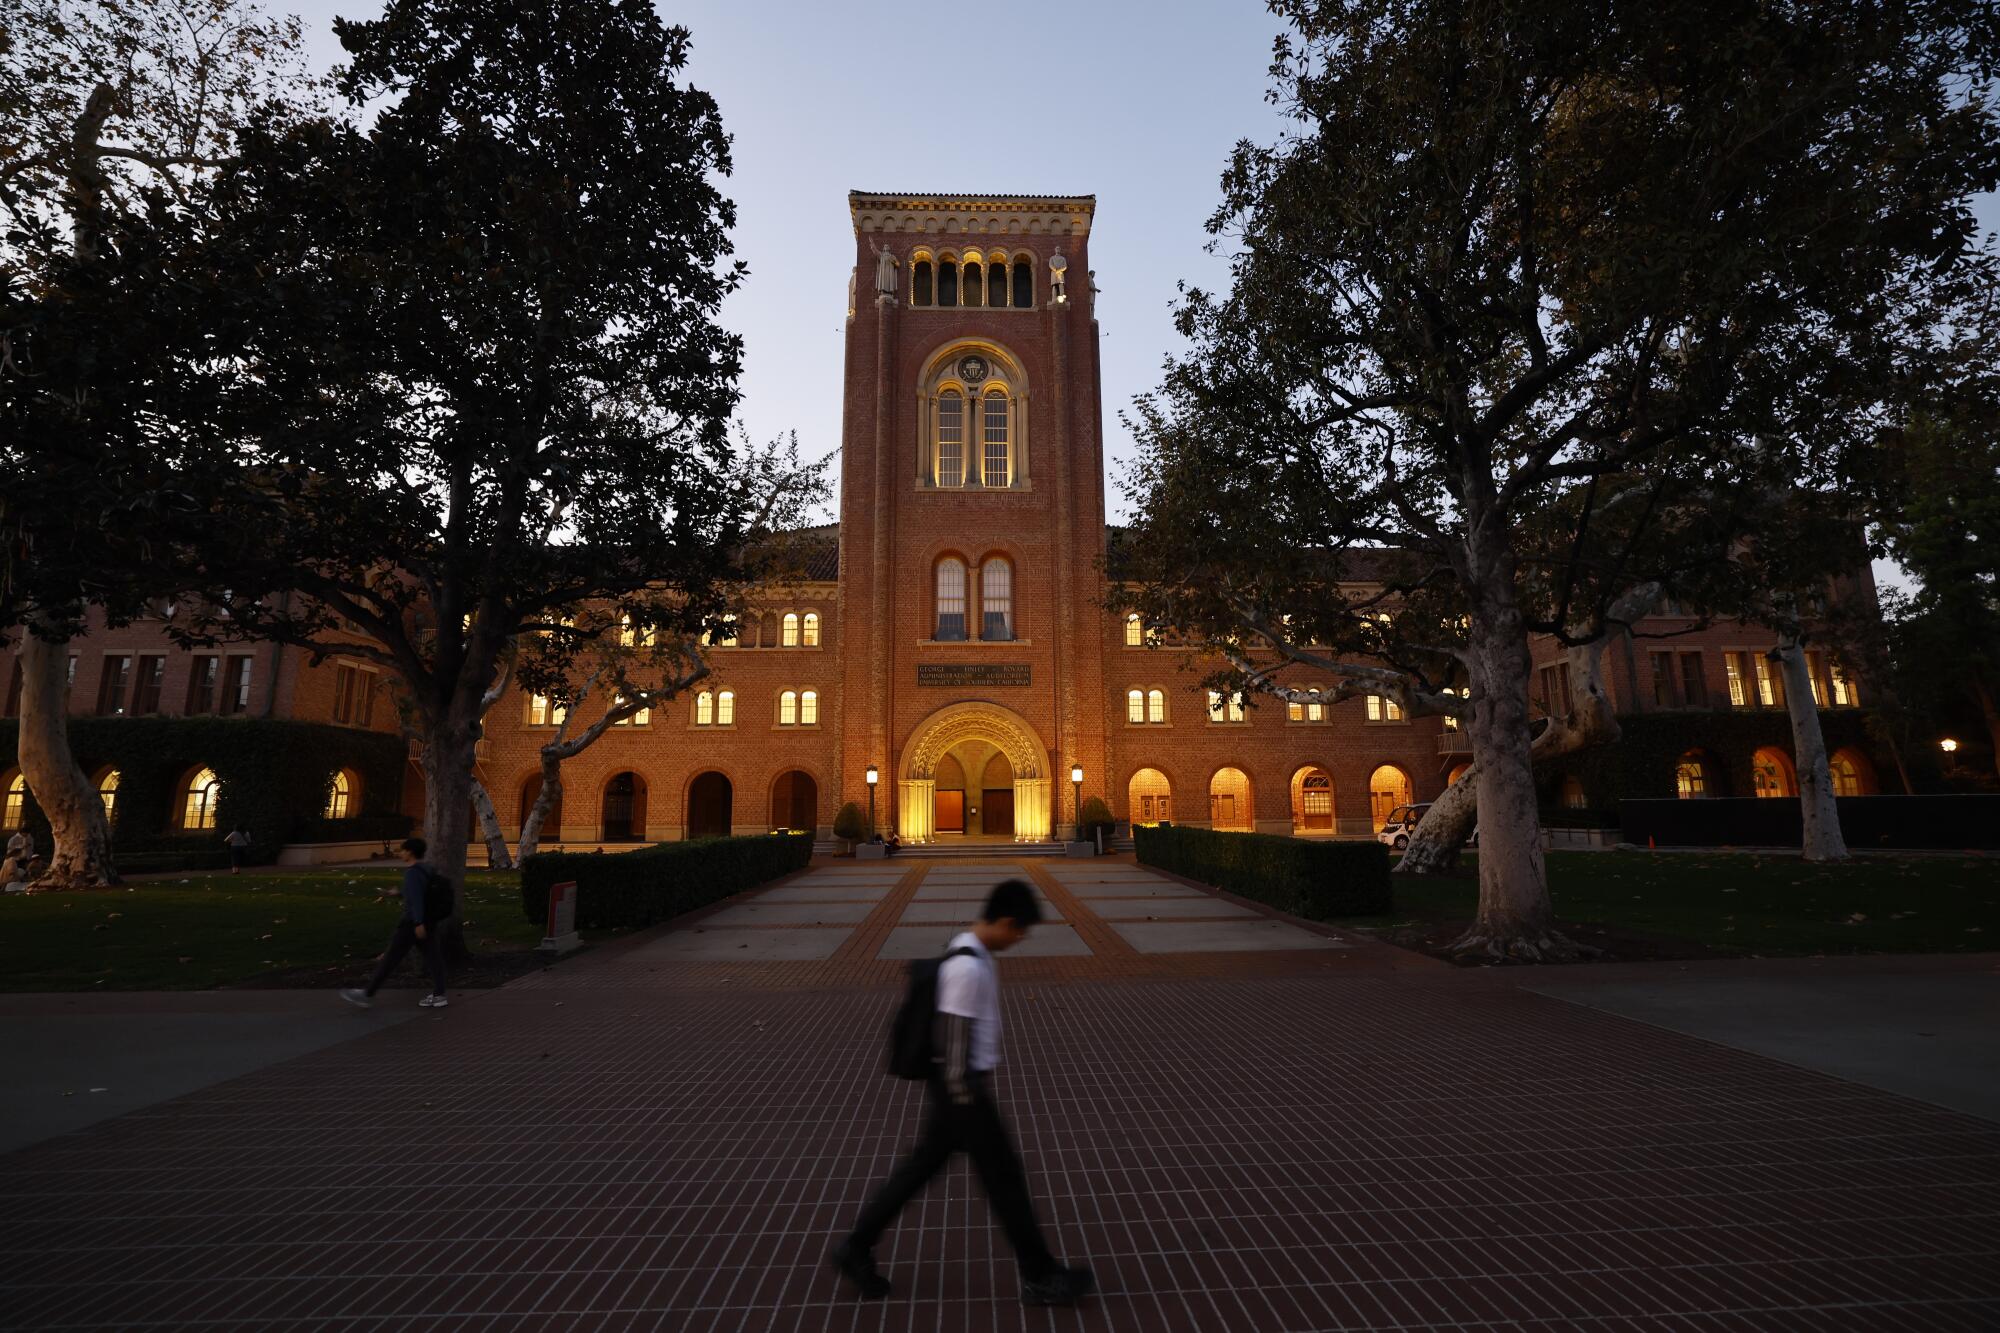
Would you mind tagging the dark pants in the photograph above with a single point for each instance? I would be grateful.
(400, 944)
(974, 1129)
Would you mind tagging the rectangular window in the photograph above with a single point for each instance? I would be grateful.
(809, 708)
(236, 686)
(788, 709)
(1225, 710)
(1315, 712)
(1663, 680)
(1295, 712)
(1694, 681)
(1738, 670)
(643, 717)
(343, 693)
(202, 683)
(998, 473)
(950, 601)
(1156, 705)
(1770, 685)
(704, 709)
(951, 441)
(544, 711)
(1816, 673)
(1844, 695)
(1134, 632)
(1135, 705)
(364, 699)
(1381, 708)
(1555, 690)
(725, 709)
(111, 686)
(812, 629)
(146, 689)
(996, 601)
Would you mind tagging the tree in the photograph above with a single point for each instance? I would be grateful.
(1510, 253)
(113, 115)
(472, 360)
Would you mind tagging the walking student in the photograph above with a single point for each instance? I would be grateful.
(426, 902)
(963, 1116)
(238, 842)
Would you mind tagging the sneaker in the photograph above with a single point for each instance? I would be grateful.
(1065, 1286)
(858, 1266)
(432, 1002)
(358, 998)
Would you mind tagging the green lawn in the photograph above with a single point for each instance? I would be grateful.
(203, 929)
(1751, 904)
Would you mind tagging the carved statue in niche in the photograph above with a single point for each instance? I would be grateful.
(885, 272)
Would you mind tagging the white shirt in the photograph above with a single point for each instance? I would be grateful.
(969, 986)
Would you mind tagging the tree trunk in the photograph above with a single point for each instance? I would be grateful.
(497, 857)
(1440, 835)
(81, 857)
(1515, 920)
(545, 801)
(1818, 812)
(448, 782)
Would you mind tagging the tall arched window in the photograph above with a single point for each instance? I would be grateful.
(107, 792)
(1156, 705)
(204, 791)
(950, 600)
(996, 457)
(1135, 633)
(725, 709)
(996, 283)
(920, 282)
(1024, 284)
(996, 600)
(809, 708)
(951, 438)
(788, 709)
(947, 281)
(1690, 777)
(338, 798)
(972, 288)
(1135, 705)
(704, 709)
(791, 639)
(812, 629)
(17, 802)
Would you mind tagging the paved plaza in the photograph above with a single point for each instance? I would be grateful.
(1242, 1122)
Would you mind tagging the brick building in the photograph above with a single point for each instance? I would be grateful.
(952, 634)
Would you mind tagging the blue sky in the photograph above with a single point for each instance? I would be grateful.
(1138, 103)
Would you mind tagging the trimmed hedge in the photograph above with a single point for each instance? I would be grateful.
(1948, 822)
(275, 778)
(623, 890)
(1310, 879)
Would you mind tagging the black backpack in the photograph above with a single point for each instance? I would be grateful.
(438, 900)
(912, 1046)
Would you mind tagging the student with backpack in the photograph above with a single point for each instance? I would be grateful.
(427, 901)
(948, 1034)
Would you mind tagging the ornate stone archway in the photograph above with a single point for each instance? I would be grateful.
(1002, 728)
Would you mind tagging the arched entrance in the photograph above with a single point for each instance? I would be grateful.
(1312, 801)
(710, 797)
(1771, 773)
(795, 802)
(1852, 774)
(1388, 787)
(1229, 801)
(977, 766)
(1149, 799)
(625, 808)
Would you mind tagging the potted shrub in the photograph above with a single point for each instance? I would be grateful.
(850, 825)
(1099, 826)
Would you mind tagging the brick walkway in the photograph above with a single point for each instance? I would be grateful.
(1243, 1142)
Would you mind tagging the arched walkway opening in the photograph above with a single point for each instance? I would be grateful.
(1457, 771)
(795, 802)
(710, 801)
(1149, 798)
(1853, 773)
(1312, 800)
(624, 808)
(1388, 787)
(974, 768)
(1771, 773)
(1694, 777)
(1229, 801)
(531, 791)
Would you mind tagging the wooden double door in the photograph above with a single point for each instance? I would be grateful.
(995, 818)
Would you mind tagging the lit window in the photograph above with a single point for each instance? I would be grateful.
(996, 601)
(204, 791)
(1770, 685)
(17, 802)
(1844, 695)
(951, 439)
(1816, 673)
(725, 709)
(629, 637)
(1135, 633)
(337, 799)
(809, 708)
(1381, 708)
(812, 629)
(1135, 705)
(1739, 682)
(997, 463)
(1295, 711)
(1769, 776)
(788, 709)
(107, 792)
(1156, 706)
(1450, 722)
(704, 709)
(951, 600)
(1225, 710)
(791, 630)
(545, 712)
(724, 635)
(642, 718)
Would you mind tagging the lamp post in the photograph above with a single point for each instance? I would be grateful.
(1076, 783)
(873, 778)
(1948, 745)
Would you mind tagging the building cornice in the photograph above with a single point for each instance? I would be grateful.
(972, 214)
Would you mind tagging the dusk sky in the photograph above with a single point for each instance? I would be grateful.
(1136, 103)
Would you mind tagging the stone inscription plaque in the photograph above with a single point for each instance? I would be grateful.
(972, 673)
